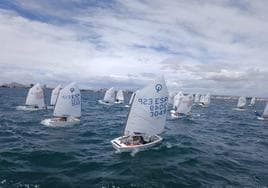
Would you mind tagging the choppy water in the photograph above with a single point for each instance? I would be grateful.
(219, 148)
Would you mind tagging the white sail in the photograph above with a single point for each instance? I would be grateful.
(35, 96)
(207, 99)
(54, 95)
(253, 100)
(241, 102)
(171, 97)
(68, 102)
(177, 99)
(185, 105)
(148, 111)
(202, 99)
(197, 98)
(131, 98)
(120, 96)
(265, 112)
(109, 95)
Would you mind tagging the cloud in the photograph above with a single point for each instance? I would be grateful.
(200, 46)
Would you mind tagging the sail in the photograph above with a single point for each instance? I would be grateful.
(148, 111)
(207, 99)
(202, 99)
(54, 95)
(185, 105)
(120, 96)
(131, 98)
(109, 95)
(265, 112)
(68, 102)
(197, 98)
(177, 99)
(35, 96)
(241, 102)
(171, 97)
(253, 100)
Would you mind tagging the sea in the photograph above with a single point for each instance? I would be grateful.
(216, 147)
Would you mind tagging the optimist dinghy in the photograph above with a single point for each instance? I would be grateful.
(183, 107)
(54, 95)
(241, 104)
(253, 101)
(197, 98)
(264, 115)
(35, 99)
(119, 99)
(146, 118)
(130, 100)
(67, 110)
(205, 101)
(109, 97)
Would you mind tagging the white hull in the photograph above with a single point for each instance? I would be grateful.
(240, 109)
(54, 122)
(105, 103)
(50, 107)
(174, 115)
(127, 106)
(262, 118)
(28, 108)
(118, 102)
(121, 147)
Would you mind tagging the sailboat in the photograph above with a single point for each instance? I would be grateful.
(146, 118)
(183, 107)
(130, 100)
(253, 101)
(176, 101)
(206, 100)
(119, 99)
(241, 104)
(67, 110)
(264, 115)
(35, 99)
(202, 100)
(109, 97)
(54, 95)
(197, 98)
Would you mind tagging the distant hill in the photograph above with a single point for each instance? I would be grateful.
(13, 85)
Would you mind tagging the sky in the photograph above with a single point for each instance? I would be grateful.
(220, 47)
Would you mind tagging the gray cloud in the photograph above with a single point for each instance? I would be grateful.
(221, 48)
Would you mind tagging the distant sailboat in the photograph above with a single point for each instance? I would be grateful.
(197, 98)
(109, 97)
(253, 101)
(177, 99)
(119, 99)
(130, 100)
(202, 100)
(67, 110)
(35, 99)
(54, 95)
(264, 115)
(183, 107)
(206, 100)
(241, 104)
(146, 118)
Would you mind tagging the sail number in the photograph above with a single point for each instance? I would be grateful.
(157, 106)
(75, 99)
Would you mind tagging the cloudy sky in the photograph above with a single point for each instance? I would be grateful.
(219, 47)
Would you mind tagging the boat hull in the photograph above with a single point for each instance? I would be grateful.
(240, 109)
(53, 122)
(28, 108)
(121, 147)
(105, 103)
